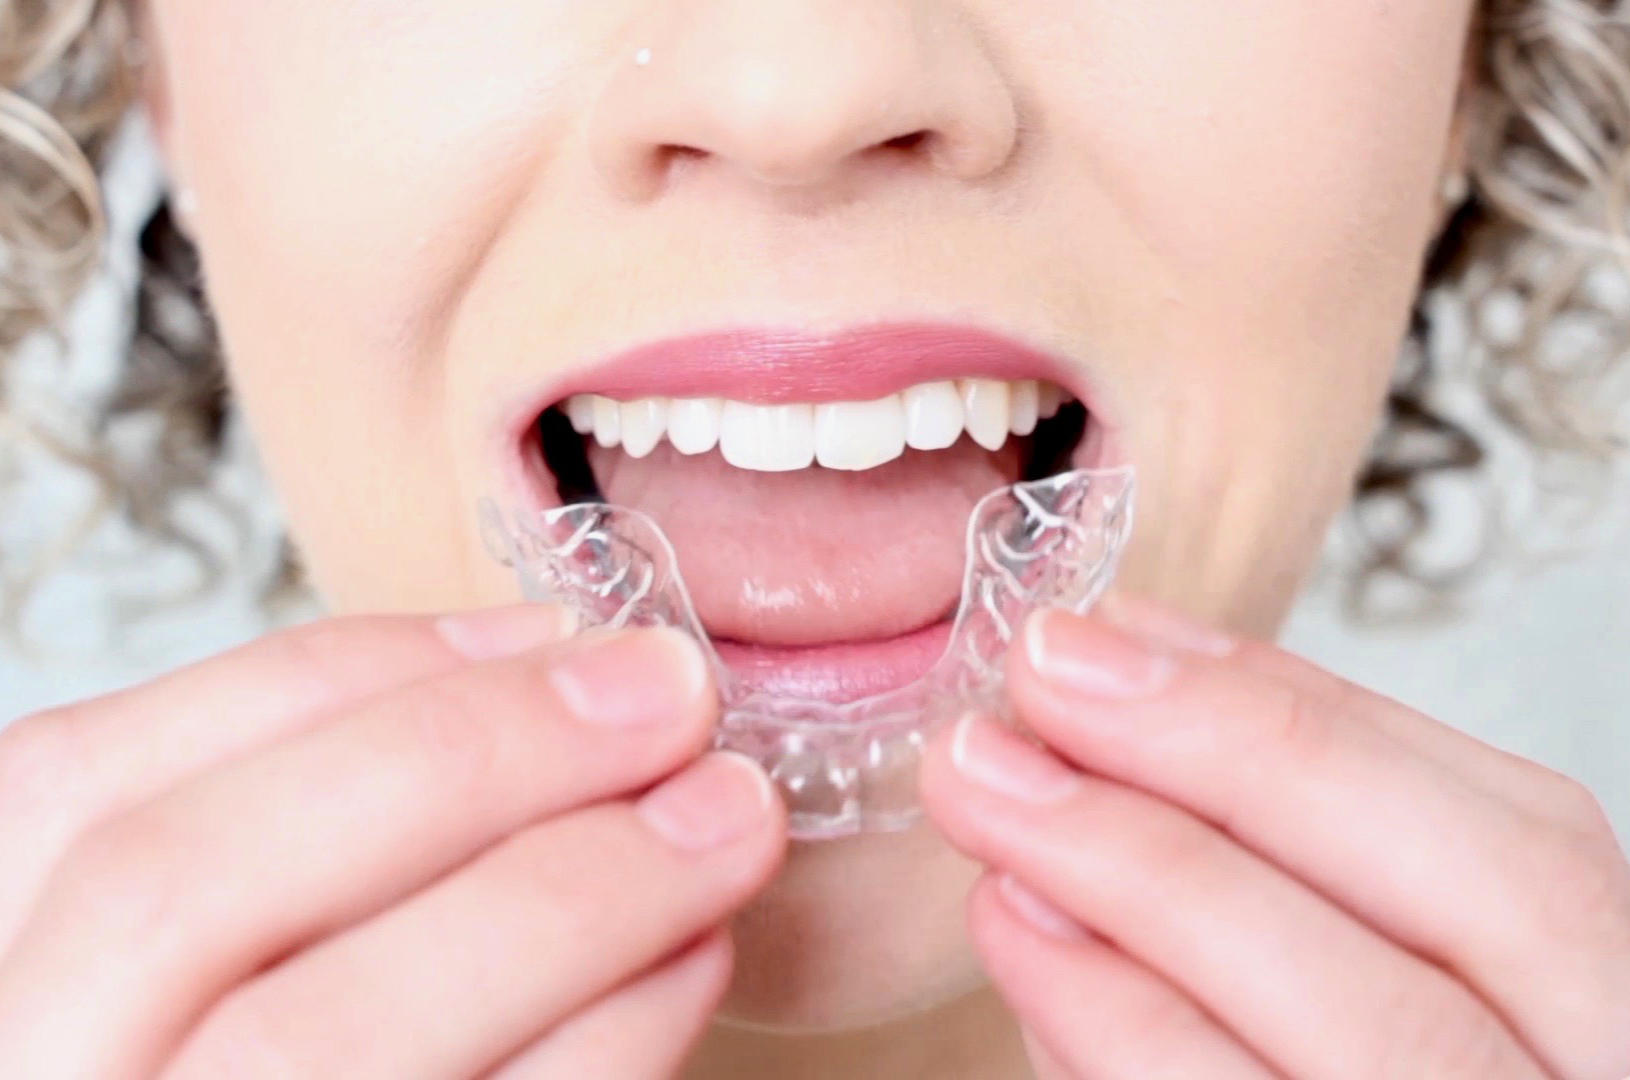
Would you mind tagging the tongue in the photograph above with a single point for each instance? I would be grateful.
(815, 556)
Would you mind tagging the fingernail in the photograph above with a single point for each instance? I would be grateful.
(1089, 658)
(1163, 626)
(495, 633)
(1004, 763)
(722, 797)
(629, 678)
(1038, 911)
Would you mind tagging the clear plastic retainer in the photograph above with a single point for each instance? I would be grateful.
(842, 768)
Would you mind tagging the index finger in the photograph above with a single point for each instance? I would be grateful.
(1520, 909)
(66, 768)
(140, 740)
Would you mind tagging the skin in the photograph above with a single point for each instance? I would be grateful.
(414, 214)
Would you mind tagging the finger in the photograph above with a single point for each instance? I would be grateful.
(1501, 774)
(64, 769)
(1096, 1012)
(1531, 914)
(196, 889)
(1312, 990)
(644, 1031)
(481, 964)
(1044, 1061)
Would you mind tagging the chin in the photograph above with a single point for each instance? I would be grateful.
(853, 934)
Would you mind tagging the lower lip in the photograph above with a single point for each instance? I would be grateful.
(836, 672)
(839, 672)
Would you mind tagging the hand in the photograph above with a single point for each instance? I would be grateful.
(379, 847)
(1229, 864)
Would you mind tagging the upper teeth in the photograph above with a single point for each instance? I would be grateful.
(850, 435)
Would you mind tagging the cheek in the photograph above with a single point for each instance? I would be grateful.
(352, 162)
(1281, 161)
(354, 154)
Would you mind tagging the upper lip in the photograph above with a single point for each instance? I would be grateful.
(769, 367)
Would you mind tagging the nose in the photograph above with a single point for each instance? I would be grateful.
(792, 92)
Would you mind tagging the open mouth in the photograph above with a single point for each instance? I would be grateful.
(816, 492)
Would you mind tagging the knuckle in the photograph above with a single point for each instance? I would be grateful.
(1302, 728)
(1156, 1017)
(1175, 848)
(239, 1039)
(317, 655)
(533, 866)
(121, 879)
(531, 861)
(348, 655)
(1577, 805)
(446, 729)
(40, 766)
(337, 635)
(314, 643)
(1441, 1033)
(1583, 885)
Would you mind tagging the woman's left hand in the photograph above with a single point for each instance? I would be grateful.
(1235, 865)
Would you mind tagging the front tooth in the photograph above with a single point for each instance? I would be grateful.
(643, 424)
(1024, 409)
(580, 411)
(857, 435)
(985, 411)
(693, 424)
(767, 438)
(933, 413)
(608, 421)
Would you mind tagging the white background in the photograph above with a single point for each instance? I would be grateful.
(1540, 665)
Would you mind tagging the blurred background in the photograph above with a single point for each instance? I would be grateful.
(1536, 660)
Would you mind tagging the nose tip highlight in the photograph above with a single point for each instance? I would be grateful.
(779, 124)
(786, 101)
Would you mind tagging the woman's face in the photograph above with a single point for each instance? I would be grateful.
(424, 221)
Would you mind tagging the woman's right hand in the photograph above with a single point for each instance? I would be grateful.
(379, 847)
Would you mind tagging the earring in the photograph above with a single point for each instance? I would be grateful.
(1455, 188)
(642, 58)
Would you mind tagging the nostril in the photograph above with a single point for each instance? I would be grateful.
(673, 155)
(910, 141)
(671, 159)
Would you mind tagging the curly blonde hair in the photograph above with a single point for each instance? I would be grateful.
(1549, 169)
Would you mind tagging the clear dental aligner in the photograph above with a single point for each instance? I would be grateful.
(842, 768)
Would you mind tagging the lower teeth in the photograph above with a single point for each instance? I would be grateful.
(842, 768)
